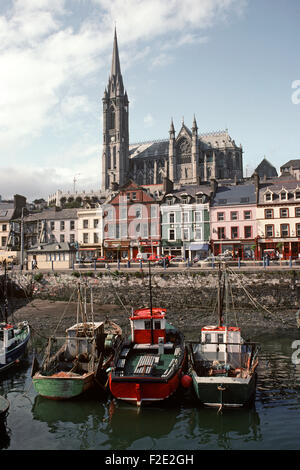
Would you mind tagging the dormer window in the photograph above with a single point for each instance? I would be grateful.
(297, 193)
(283, 195)
(269, 196)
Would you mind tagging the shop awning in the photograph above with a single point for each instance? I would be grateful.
(199, 246)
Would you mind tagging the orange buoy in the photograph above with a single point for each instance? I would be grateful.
(186, 381)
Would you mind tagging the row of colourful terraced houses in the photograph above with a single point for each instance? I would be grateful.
(240, 219)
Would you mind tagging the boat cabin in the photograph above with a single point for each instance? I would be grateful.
(223, 340)
(147, 328)
(79, 337)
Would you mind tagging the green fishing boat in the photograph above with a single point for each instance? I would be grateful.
(80, 362)
(223, 365)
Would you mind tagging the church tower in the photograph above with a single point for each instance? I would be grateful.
(115, 157)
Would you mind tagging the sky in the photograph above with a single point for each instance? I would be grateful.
(235, 64)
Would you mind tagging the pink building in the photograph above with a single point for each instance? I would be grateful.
(233, 221)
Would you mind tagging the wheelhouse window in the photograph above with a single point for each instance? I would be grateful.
(157, 325)
(147, 324)
(220, 338)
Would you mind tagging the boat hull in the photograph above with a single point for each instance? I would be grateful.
(228, 392)
(62, 387)
(14, 355)
(144, 390)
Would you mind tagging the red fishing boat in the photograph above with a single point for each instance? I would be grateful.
(149, 364)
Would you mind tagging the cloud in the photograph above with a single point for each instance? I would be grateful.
(54, 52)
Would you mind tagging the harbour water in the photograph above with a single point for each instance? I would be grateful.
(98, 422)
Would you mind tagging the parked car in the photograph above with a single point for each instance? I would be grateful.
(177, 259)
(163, 262)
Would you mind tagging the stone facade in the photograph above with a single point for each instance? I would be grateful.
(185, 158)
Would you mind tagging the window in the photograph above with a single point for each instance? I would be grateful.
(145, 230)
(85, 238)
(96, 223)
(297, 212)
(172, 235)
(3, 241)
(208, 338)
(248, 232)
(72, 225)
(221, 233)
(268, 197)
(297, 194)
(197, 216)
(284, 212)
(62, 238)
(220, 216)
(133, 196)
(52, 225)
(247, 215)
(269, 231)
(62, 225)
(233, 215)
(284, 230)
(153, 211)
(220, 338)
(185, 234)
(72, 238)
(234, 232)
(198, 233)
(138, 213)
(171, 218)
(153, 229)
(128, 196)
(123, 230)
(85, 223)
(269, 214)
(185, 217)
(283, 196)
(297, 230)
(184, 200)
(147, 324)
(96, 238)
(138, 228)
(157, 324)
(4, 228)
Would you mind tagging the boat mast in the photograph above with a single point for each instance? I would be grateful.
(5, 293)
(220, 299)
(150, 291)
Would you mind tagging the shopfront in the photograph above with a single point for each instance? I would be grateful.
(116, 250)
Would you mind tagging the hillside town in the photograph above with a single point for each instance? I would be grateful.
(185, 197)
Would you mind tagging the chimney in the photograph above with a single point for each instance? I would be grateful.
(256, 184)
(167, 185)
(213, 186)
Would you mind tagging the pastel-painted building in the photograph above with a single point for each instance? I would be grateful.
(185, 221)
(90, 231)
(278, 217)
(233, 220)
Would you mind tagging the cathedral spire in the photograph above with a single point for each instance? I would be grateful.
(115, 64)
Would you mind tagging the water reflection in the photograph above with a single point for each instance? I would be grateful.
(207, 426)
(128, 424)
(4, 436)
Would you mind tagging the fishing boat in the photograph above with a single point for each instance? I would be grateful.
(14, 336)
(223, 365)
(149, 364)
(80, 363)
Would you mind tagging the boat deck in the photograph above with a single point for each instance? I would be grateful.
(144, 360)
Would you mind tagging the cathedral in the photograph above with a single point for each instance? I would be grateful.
(188, 157)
